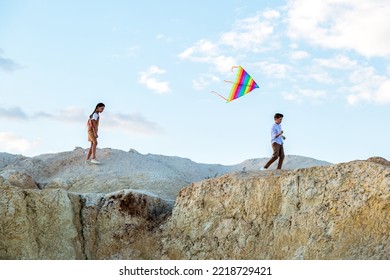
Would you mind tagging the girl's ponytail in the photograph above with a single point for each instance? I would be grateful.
(97, 106)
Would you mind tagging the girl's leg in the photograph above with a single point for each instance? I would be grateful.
(93, 149)
(89, 152)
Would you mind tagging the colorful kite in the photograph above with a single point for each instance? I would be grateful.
(243, 84)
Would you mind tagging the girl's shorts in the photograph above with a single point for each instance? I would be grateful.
(91, 136)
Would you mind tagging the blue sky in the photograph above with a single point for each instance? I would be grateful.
(324, 64)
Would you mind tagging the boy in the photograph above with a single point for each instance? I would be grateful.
(277, 142)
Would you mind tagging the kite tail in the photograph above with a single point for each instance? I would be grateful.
(218, 94)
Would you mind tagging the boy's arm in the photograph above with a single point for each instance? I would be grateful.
(275, 133)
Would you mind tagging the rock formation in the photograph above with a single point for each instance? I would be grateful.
(326, 212)
(55, 224)
(161, 175)
(337, 212)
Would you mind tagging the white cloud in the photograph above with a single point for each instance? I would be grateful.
(312, 93)
(368, 86)
(202, 48)
(271, 14)
(67, 115)
(208, 52)
(248, 34)
(320, 76)
(15, 113)
(204, 81)
(8, 65)
(290, 96)
(382, 95)
(359, 25)
(71, 115)
(148, 79)
(134, 123)
(164, 38)
(337, 62)
(223, 63)
(251, 34)
(274, 70)
(300, 94)
(13, 143)
(297, 55)
(337, 26)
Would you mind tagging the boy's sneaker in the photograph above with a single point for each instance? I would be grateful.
(94, 161)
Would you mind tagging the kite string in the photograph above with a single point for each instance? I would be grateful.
(218, 94)
(235, 67)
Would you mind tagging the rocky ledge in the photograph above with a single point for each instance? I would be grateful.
(330, 212)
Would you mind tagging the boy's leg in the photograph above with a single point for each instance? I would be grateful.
(275, 155)
(281, 157)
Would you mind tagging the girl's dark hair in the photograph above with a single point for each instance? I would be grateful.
(97, 106)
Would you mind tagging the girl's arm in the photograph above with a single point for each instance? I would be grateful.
(94, 128)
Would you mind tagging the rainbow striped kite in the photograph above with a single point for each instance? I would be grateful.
(243, 84)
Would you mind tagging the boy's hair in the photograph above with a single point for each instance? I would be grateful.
(278, 116)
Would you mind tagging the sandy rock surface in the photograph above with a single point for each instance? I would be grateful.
(335, 212)
(136, 206)
(160, 175)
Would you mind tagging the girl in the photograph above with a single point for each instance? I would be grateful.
(93, 125)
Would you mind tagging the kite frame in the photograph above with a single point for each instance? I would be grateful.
(235, 83)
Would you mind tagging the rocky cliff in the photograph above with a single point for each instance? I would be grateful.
(330, 212)
(56, 224)
(161, 175)
(338, 212)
